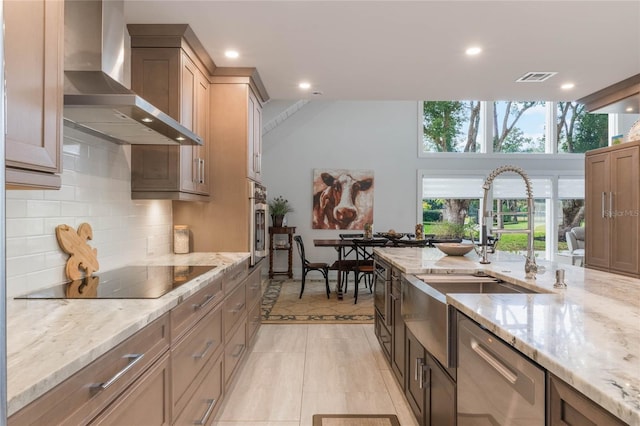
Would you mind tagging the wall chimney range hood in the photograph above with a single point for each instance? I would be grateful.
(96, 100)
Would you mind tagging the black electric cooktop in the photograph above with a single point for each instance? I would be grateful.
(130, 282)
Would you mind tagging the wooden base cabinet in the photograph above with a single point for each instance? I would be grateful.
(207, 398)
(397, 329)
(612, 203)
(430, 390)
(568, 407)
(146, 402)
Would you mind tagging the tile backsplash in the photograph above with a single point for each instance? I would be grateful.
(96, 188)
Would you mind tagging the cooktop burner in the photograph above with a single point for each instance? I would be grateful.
(130, 282)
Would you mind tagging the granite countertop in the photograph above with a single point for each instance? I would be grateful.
(49, 340)
(587, 334)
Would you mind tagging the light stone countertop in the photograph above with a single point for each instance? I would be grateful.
(587, 334)
(49, 340)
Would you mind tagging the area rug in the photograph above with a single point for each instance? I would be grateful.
(355, 420)
(280, 304)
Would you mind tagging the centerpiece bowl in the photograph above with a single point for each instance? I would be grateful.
(454, 249)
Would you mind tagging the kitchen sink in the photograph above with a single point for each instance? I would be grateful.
(471, 283)
(427, 314)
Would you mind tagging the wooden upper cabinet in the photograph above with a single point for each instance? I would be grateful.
(237, 98)
(34, 59)
(612, 202)
(169, 73)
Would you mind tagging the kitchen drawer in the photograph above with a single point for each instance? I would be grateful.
(80, 398)
(254, 318)
(235, 306)
(234, 349)
(146, 402)
(234, 276)
(206, 400)
(187, 313)
(192, 353)
(254, 286)
(384, 337)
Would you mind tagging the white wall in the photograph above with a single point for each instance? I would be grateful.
(370, 135)
(96, 188)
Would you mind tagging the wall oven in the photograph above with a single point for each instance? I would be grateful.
(258, 222)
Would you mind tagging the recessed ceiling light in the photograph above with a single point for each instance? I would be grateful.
(629, 109)
(231, 54)
(146, 120)
(304, 85)
(180, 138)
(567, 86)
(474, 50)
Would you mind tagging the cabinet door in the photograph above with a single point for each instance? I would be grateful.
(201, 153)
(597, 237)
(442, 391)
(398, 333)
(34, 73)
(254, 135)
(417, 373)
(146, 402)
(189, 170)
(625, 203)
(568, 407)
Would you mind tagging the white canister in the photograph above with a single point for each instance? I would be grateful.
(180, 239)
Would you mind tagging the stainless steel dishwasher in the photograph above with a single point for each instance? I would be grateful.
(497, 385)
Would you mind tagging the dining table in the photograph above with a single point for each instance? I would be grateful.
(339, 245)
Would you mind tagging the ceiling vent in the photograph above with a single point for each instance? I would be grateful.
(536, 77)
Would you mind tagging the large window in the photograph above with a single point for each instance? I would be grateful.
(514, 127)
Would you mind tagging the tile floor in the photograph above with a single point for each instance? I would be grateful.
(296, 371)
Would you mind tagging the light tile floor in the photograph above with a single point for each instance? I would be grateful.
(296, 371)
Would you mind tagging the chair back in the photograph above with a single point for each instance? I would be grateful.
(300, 244)
(346, 251)
(361, 246)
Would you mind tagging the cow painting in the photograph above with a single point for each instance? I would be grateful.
(342, 199)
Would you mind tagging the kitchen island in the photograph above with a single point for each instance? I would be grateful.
(587, 334)
(50, 340)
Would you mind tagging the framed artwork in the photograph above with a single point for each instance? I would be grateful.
(342, 199)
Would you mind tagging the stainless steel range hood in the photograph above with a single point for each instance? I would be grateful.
(96, 100)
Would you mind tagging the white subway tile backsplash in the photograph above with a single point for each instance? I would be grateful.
(96, 188)
(38, 208)
(24, 227)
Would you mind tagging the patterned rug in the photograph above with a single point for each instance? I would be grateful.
(280, 304)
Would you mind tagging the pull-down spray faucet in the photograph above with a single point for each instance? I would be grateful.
(530, 266)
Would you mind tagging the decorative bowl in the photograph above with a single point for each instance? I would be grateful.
(454, 249)
(391, 235)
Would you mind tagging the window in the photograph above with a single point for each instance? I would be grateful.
(451, 206)
(451, 126)
(519, 127)
(570, 207)
(579, 131)
(515, 127)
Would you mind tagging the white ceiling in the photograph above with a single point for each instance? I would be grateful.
(414, 50)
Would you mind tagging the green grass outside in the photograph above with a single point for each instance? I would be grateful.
(514, 242)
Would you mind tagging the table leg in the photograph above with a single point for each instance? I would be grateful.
(339, 287)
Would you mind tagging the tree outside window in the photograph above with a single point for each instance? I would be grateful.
(579, 131)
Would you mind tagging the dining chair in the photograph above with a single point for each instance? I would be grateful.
(364, 267)
(311, 266)
(346, 265)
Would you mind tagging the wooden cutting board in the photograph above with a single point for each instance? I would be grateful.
(81, 255)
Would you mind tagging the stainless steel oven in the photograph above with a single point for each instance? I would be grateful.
(258, 222)
(382, 291)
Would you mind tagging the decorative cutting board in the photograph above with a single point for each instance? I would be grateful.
(81, 255)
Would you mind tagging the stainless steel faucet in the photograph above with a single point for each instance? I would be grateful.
(530, 266)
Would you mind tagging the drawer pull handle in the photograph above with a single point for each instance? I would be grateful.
(206, 349)
(133, 360)
(206, 301)
(238, 352)
(203, 420)
(238, 308)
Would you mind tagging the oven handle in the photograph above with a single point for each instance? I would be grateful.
(387, 304)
